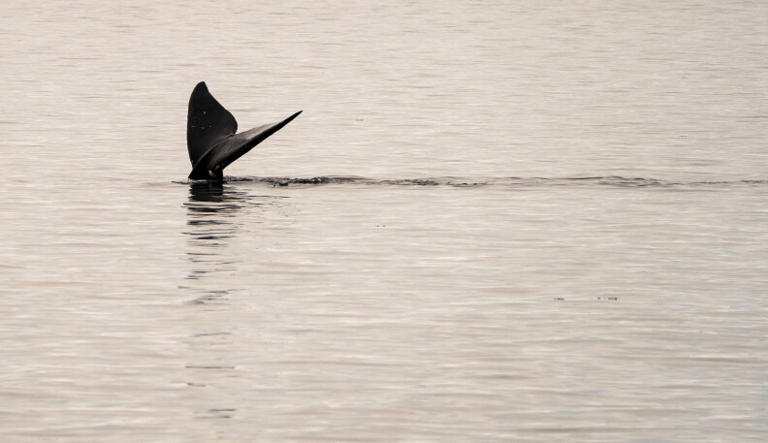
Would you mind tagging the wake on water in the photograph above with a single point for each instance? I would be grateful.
(612, 181)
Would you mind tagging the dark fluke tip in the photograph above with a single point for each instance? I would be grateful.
(294, 115)
(212, 138)
(200, 87)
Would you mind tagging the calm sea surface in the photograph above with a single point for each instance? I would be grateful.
(494, 221)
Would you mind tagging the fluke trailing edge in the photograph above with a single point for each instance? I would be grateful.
(211, 138)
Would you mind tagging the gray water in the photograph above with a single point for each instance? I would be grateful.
(519, 221)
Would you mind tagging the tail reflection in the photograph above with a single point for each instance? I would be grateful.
(212, 210)
(218, 215)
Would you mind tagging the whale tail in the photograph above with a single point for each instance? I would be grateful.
(212, 141)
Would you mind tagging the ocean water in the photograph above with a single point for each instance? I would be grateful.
(494, 221)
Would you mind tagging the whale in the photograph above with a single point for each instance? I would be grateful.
(212, 139)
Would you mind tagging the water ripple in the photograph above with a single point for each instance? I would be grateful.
(457, 182)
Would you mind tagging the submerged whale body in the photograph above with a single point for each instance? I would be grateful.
(212, 141)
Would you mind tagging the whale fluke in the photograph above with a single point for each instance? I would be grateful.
(212, 141)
